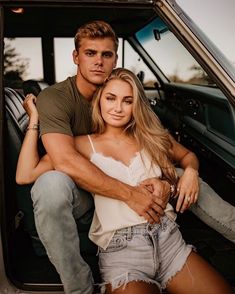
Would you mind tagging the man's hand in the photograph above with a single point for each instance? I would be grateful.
(160, 190)
(150, 199)
(144, 202)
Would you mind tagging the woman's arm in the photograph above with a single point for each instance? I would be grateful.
(29, 166)
(188, 184)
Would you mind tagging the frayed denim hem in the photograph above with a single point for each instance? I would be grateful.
(123, 279)
(168, 279)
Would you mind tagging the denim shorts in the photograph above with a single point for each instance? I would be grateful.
(149, 253)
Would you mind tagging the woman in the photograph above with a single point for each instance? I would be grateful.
(130, 144)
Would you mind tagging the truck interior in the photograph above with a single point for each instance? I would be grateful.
(199, 116)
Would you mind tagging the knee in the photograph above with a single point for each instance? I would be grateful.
(52, 189)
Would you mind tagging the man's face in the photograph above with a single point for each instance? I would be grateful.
(95, 58)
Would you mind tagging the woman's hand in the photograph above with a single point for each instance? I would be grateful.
(29, 105)
(187, 189)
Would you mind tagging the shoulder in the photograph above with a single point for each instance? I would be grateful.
(58, 97)
(57, 92)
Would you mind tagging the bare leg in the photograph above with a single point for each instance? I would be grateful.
(198, 277)
(135, 288)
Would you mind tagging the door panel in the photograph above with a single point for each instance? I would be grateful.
(202, 119)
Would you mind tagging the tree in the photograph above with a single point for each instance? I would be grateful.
(200, 76)
(15, 67)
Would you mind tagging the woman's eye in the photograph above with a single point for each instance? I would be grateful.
(110, 98)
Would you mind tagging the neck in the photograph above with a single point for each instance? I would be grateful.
(86, 88)
(118, 137)
(114, 132)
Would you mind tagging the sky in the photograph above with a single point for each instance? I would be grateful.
(216, 19)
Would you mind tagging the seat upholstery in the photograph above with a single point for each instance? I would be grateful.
(34, 87)
(19, 195)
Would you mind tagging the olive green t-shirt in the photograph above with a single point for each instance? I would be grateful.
(62, 109)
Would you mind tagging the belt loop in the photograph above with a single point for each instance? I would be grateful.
(163, 225)
(149, 229)
(129, 233)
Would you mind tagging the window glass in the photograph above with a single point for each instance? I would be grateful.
(134, 62)
(170, 55)
(120, 53)
(216, 20)
(64, 66)
(22, 59)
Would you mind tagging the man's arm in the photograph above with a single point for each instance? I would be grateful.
(65, 158)
(161, 190)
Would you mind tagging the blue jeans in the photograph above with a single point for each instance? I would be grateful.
(214, 211)
(57, 204)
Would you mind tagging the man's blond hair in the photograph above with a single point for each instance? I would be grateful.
(93, 30)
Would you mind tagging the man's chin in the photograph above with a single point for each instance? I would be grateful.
(98, 82)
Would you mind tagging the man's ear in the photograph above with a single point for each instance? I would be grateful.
(115, 62)
(75, 57)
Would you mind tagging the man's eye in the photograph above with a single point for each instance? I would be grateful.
(89, 53)
(108, 54)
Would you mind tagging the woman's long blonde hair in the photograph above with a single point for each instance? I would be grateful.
(144, 126)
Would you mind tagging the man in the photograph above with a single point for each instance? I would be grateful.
(64, 111)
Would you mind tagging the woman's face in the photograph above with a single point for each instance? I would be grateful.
(116, 103)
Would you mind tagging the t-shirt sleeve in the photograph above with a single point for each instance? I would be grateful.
(54, 112)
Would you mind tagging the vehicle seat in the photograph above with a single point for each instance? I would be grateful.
(18, 198)
(34, 87)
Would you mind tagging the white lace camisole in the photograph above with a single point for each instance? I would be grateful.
(112, 214)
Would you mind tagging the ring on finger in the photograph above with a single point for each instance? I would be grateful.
(188, 198)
